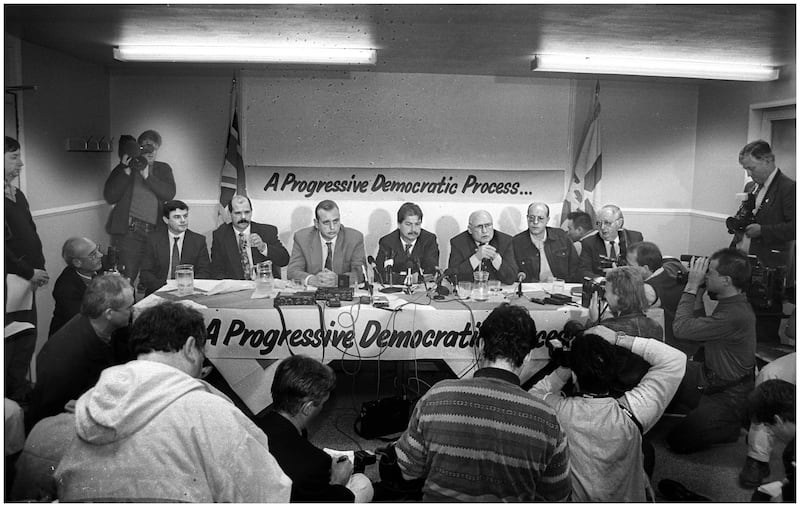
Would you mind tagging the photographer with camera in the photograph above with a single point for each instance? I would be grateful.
(604, 431)
(137, 186)
(300, 389)
(719, 377)
(764, 225)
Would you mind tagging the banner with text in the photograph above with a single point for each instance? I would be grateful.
(265, 182)
(416, 332)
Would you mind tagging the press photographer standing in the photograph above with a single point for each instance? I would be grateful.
(137, 186)
(716, 385)
(772, 233)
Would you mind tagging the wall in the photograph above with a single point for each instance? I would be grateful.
(722, 122)
(64, 188)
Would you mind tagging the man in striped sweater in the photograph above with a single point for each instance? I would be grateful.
(485, 439)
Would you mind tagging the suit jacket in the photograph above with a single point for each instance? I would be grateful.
(463, 246)
(426, 249)
(308, 466)
(307, 254)
(594, 246)
(777, 219)
(68, 294)
(118, 190)
(158, 250)
(225, 259)
(558, 249)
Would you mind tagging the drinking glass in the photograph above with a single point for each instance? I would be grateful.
(184, 276)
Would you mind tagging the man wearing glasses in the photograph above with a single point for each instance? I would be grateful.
(481, 248)
(71, 360)
(608, 248)
(84, 260)
(544, 253)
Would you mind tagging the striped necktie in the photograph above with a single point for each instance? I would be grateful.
(244, 257)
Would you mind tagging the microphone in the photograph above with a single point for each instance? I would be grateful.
(418, 268)
(367, 285)
(520, 277)
(371, 262)
(389, 263)
(441, 290)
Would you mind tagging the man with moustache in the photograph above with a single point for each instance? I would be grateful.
(166, 249)
(84, 260)
(407, 247)
(481, 247)
(326, 250)
(544, 253)
(240, 245)
(611, 242)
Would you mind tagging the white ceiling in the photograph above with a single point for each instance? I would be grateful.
(461, 39)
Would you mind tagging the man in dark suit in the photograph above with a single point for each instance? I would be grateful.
(84, 260)
(560, 259)
(326, 250)
(240, 245)
(481, 247)
(771, 237)
(301, 387)
(407, 247)
(611, 243)
(167, 249)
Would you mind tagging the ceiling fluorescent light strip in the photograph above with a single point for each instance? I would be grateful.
(239, 54)
(653, 67)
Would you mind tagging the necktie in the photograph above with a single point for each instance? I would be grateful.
(759, 197)
(175, 259)
(329, 258)
(243, 256)
(612, 250)
(408, 250)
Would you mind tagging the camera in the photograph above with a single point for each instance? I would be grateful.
(743, 217)
(559, 346)
(767, 284)
(683, 276)
(589, 287)
(607, 262)
(128, 146)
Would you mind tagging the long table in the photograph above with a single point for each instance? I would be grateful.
(247, 336)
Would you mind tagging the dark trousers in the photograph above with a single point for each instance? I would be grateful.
(715, 418)
(18, 351)
(131, 248)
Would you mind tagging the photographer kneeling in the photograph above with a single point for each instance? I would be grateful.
(716, 385)
(605, 432)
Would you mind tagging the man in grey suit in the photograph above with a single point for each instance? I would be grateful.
(609, 247)
(326, 250)
(166, 249)
(240, 245)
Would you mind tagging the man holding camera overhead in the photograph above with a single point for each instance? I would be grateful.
(136, 187)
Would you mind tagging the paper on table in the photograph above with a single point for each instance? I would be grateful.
(19, 295)
(15, 327)
(231, 286)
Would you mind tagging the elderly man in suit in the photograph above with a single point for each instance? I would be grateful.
(481, 247)
(326, 250)
(608, 248)
(240, 245)
(542, 252)
(407, 247)
(84, 260)
(167, 249)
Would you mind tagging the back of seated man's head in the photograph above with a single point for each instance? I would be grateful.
(105, 292)
(11, 145)
(625, 290)
(773, 403)
(734, 264)
(582, 220)
(646, 254)
(299, 380)
(508, 333)
(591, 359)
(165, 328)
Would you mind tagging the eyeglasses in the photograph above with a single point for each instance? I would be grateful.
(605, 223)
(483, 227)
(94, 254)
(534, 218)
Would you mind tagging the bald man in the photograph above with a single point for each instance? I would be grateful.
(544, 253)
(481, 247)
(610, 242)
(84, 260)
